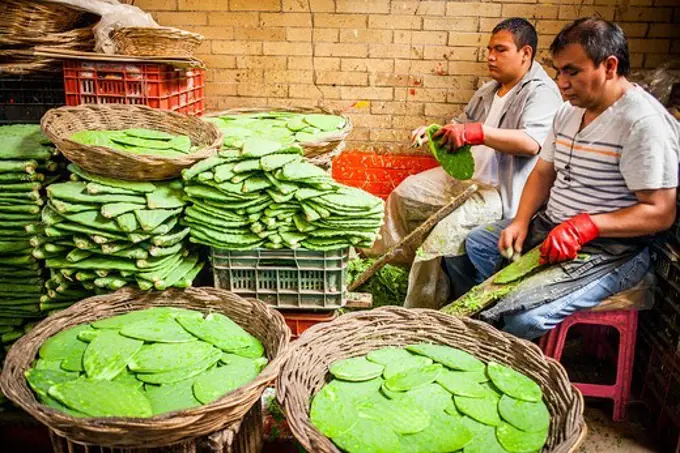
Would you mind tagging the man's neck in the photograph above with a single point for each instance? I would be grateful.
(612, 93)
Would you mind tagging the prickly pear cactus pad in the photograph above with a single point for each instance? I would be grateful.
(459, 164)
(147, 362)
(435, 399)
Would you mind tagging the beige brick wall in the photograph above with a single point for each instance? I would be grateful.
(391, 64)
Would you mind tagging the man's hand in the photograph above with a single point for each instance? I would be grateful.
(512, 238)
(566, 239)
(418, 136)
(455, 136)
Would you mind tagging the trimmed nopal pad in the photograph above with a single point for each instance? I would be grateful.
(515, 441)
(356, 369)
(333, 413)
(180, 374)
(368, 436)
(484, 410)
(74, 360)
(458, 384)
(357, 391)
(218, 330)
(120, 321)
(161, 357)
(406, 363)
(484, 440)
(41, 380)
(451, 357)
(172, 397)
(101, 398)
(219, 381)
(402, 418)
(524, 415)
(444, 434)
(414, 378)
(109, 354)
(513, 383)
(432, 398)
(59, 346)
(162, 330)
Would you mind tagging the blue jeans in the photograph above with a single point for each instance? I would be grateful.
(482, 249)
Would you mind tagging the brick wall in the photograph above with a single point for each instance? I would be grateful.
(392, 64)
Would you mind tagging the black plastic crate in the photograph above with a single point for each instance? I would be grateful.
(25, 99)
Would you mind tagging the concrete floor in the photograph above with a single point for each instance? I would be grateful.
(605, 436)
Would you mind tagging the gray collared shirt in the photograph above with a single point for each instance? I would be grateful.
(531, 108)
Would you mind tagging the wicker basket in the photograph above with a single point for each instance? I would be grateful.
(306, 369)
(23, 18)
(257, 318)
(318, 152)
(60, 123)
(155, 41)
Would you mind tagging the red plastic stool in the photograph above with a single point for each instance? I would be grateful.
(625, 321)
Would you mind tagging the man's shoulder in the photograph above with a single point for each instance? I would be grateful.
(638, 105)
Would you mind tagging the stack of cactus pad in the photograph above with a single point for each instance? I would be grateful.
(27, 164)
(104, 234)
(264, 194)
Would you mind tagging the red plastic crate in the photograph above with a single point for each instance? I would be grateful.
(301, 321)
(378, 174)
(159, 86)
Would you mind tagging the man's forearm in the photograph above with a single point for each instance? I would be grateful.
(510, 141)
(649, 216)
(535, 193)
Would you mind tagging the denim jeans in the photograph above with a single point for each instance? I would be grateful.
(482, 249)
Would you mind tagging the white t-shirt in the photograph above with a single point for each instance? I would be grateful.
(486, 159)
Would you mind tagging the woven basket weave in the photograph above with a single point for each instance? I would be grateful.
(155, 41)
(61, 123)
(306, 370)
(256, 317)
(319, 152)
(22, 18)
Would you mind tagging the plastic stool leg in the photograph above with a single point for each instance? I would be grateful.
(627, 337)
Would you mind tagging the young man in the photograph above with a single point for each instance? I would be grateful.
(605, 182)
(506, 121)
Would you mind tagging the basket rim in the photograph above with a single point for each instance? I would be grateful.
(337, 137)
(165, 32)
(129, 298)
(300, 423)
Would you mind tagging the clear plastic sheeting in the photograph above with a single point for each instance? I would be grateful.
(113, 15)
(428, 286)
(416, 199)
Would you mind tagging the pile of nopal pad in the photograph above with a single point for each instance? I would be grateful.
(266, 195)
(107, 233)
(26, 165)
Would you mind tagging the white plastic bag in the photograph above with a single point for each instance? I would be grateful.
(113, 15)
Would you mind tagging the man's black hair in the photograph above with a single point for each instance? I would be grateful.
(599, 38)
(523, 32)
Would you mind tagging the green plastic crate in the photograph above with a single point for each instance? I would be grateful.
(291, 279)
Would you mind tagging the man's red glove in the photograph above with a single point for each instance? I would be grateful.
(455, 136)
(566, 239)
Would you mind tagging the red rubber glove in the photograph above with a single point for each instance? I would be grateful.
(455, 136)
(566, 239)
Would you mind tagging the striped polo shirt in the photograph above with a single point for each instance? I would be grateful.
(632, 146)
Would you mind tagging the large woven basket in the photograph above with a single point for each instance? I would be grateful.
(60, 123)
(24, 18)
(155, 41)
(306, 370)
(256, 317)
(317, 152)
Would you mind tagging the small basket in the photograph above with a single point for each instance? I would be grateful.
(59, 124)
(306, 370)
(288, 279)
(155, 41)
(319, 153)
(257, 318)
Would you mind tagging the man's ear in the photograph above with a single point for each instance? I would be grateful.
(611, 65)
(526, 51)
